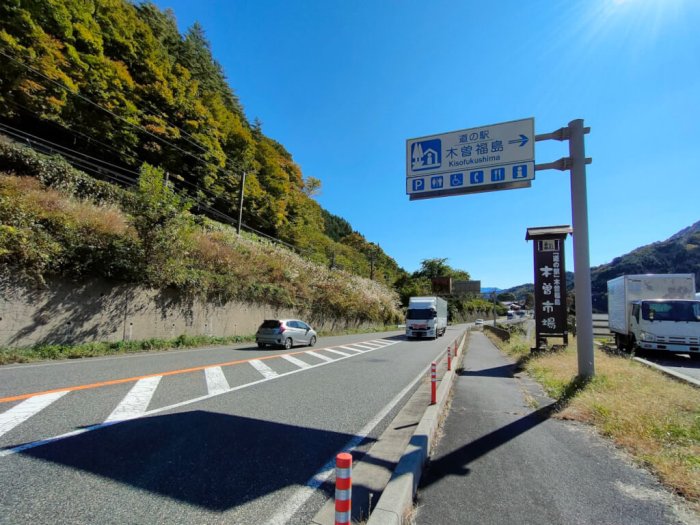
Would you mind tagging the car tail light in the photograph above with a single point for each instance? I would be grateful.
(282, 328)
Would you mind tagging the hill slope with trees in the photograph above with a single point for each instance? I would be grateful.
(116, 82)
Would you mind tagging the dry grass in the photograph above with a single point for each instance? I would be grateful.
(655, 418)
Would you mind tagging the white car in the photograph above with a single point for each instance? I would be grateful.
(479, 322)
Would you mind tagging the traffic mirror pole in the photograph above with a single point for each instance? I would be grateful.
(576, 164)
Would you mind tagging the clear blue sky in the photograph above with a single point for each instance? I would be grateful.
(343, 84)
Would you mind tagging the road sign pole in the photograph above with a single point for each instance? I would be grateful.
(582, 265)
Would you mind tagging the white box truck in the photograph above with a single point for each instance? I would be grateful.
(655, 312)
(426, 317)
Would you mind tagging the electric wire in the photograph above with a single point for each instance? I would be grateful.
(46, 146)
(115, 115)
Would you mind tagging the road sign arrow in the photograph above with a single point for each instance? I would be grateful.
(523, 140)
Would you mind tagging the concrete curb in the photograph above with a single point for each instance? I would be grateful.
(669, 372)
(396, 500)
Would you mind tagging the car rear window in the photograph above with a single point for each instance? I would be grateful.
(270, 323)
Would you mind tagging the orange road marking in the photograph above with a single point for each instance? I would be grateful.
(136, 378)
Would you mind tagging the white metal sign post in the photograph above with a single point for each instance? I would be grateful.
(502, 157)
(576, 164)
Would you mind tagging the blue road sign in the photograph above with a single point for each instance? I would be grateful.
(426, 155)
(520, 171)
(474, 160)
(476, 177)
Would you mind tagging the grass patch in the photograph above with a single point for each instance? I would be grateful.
(655, 418)
(44, 352)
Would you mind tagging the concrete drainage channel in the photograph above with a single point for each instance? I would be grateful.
(405, 444)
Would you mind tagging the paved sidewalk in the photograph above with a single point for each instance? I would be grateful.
(502, 462)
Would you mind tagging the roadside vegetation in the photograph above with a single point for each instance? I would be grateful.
(61, 222)
(653, 417)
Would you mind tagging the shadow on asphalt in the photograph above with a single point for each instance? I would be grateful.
(456, 463)
(499, 371)
(211, 460)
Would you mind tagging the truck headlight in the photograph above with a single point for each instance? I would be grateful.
(646, 336)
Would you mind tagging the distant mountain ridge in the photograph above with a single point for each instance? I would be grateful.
(680, 253)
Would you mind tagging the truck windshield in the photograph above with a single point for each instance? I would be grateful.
(422, 313)
(688, 311)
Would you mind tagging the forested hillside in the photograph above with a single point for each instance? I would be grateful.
(116, 90)
(116, 84)
(680, 253)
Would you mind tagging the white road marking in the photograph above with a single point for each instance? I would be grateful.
(302, 495)
(216, 380)
(364, 347)
(320, 356)
(266, 371)
(295, 361)
(380, 342)
(26, 409)
(34, 444)
(135, 403)
(338, 352)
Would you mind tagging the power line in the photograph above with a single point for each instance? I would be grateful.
(87, 164)
(122, 154)
(119, 117)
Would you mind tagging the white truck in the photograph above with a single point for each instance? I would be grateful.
(426, 317)
(655, 312)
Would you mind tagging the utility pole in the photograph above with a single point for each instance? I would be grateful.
(372, 256)
(240, 202)
(582, 264)
(494, 308)
(576, 164)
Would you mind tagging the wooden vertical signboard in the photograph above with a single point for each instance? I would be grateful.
(550, 282)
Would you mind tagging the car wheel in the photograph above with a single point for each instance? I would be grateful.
(288, 343)
(261, 345)
(312, 341)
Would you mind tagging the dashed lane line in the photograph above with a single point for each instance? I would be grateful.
(216, 380)
(26, 409)
(297, 362)
(135, 403)
(320, 356)
(344, 354)
(266, 371)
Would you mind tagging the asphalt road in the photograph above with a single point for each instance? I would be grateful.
(680, 363)
(217, 435)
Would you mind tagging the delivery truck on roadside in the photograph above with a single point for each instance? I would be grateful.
(655, 312)
(426, 317)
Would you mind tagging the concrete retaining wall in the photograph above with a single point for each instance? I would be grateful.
(96, 310)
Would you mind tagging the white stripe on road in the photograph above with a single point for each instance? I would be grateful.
(380, 342)
(295, 361)
(136, 401)
(266, 371)
(34, 444)
(216, 380)
(338, 352)
(302, 495)
(364, 347)
(352, 349)
(320, 356)
(26, 409)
